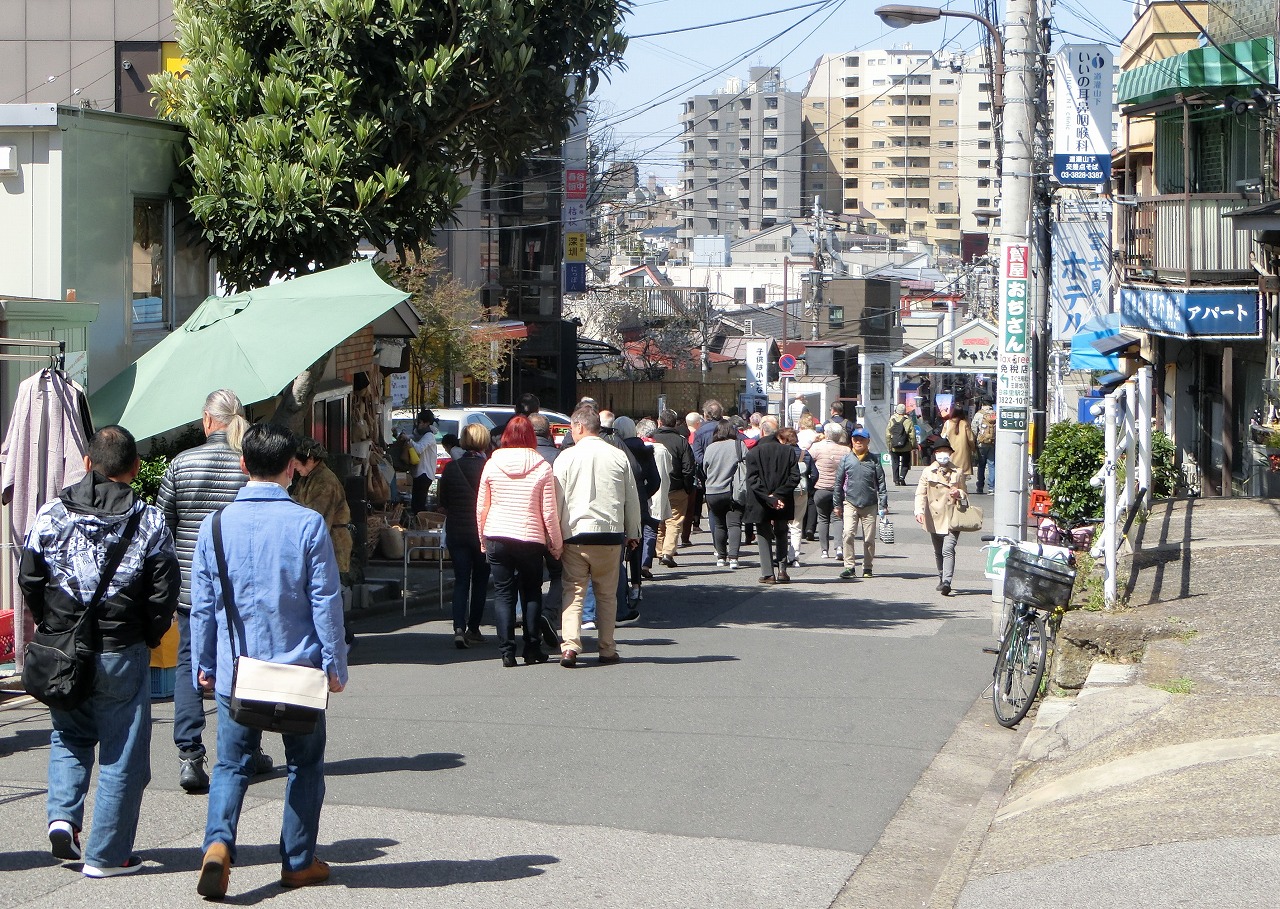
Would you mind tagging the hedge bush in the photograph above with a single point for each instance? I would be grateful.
(1072, 454)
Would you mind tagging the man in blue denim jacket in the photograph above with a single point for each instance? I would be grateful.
(284, 578)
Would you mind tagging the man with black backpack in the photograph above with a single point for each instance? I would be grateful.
(984, 430)
(901, 440)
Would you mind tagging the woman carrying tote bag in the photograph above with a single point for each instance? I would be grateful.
(940, 490)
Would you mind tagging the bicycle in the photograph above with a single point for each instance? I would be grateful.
(1036, 583)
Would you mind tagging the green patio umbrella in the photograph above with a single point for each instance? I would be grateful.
(254, 343)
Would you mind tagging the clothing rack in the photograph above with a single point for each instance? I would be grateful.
(56, 357)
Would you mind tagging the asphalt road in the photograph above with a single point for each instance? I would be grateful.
(750, 749)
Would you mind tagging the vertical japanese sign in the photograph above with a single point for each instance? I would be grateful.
(1081, 283)
(574, 210)
(1082, 115)
(1013, 378)
(757, 366)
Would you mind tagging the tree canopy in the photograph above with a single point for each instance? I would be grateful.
(314, 125)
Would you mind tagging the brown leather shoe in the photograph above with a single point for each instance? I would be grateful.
(316, 873)
(784, 578)
(768, 580)
(215, 872)
(610, 660)
(569, 659)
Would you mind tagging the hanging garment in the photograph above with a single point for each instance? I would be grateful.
(43, 453)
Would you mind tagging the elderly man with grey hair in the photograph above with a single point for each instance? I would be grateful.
(599, 512)
(198, 482)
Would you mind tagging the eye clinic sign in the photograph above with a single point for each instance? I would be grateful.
(1082, 115)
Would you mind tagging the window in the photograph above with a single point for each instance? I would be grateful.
(770, 182)
(877, 206)
(744, 145)
(946, 81)
(984, 203)
(713, 124)
(946, 184)
(850, 61)
(819, 105)
(984, 105)
(713, 163)
(946, 122)
(984, 143)
(818, 186)
(851, 182)
(851, 122)
(740, 296)
(946, 102)
(819, 166)
(946, 143)
(819, 126)
(878, 165)
(771, 143)
(771, 163)
(879, 81)
(770, 122)
(150, 261)
(835, 317)
(745, 123)
(947, 165)
(878, 143)
(984, 124)
(879, 123)
(984, 162)
(715, 104)
(757, 296)
(713, 223)
(770, 103)
(984, 183)
(770, 204)
(713, 144)
(877, 184)
(745, 104)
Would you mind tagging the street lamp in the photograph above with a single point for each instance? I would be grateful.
(900, 15)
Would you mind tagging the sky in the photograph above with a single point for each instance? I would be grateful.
(642, 102)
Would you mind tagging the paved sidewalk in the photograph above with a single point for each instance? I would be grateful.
(1157, 785)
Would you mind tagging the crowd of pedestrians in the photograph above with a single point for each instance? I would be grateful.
(254, 524)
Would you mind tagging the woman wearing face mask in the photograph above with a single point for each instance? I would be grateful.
(941, 487)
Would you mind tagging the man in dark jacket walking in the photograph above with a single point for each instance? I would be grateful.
(199, 482)
(772, 477)
(674, 440)
(62, 557)
(861, 488)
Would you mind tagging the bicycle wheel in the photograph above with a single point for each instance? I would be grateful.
(1019, 668)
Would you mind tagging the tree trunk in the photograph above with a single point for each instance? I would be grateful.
(295, 400)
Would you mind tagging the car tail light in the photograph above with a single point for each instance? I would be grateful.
(441, 463)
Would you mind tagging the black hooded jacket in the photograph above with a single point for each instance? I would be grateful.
(63, 556)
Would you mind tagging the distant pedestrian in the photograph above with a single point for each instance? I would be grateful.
(862, 492)
(599, 507)
(680, 484)
(198, 482)
(553, 601)
(542, 431)
(956, 430)
(721, 461)
(900, 438)
(648, 485)
(941, 488)
(984, 434)
(424, 472)
(318, 488)
(60, 574)
(802, 498)
(771, 484)
(827, 454)
(660, 510)
(837, 416)
(796, 410)
(519, 522)
(459, 490)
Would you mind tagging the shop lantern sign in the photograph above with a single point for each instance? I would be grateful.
(1082, 115)
(1214, 313)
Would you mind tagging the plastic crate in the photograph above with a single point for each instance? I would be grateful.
(7, 636)
(1037, 581)
(163, 682)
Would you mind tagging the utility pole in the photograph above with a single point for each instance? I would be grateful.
(1016, 304)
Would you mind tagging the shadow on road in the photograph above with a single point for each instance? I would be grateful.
(418, 763)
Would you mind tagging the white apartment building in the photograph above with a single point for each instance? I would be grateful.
(883, 141)
(740, 157)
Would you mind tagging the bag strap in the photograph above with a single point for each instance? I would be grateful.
(228, 600)
(114, 555)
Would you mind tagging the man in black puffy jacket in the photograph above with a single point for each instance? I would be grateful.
(62, 559)
(199, 482)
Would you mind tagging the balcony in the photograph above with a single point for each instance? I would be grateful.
(1185, 239)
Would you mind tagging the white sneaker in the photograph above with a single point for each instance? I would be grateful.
(839, 554)
(733, 565)
(824, 554)
(588, 626)
(721, 563)
(132, 864)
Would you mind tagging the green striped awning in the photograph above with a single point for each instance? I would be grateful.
(1202, 68)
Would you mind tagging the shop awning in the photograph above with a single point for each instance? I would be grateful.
(1202, 68)
(501, 330)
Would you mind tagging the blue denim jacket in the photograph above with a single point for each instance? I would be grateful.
(284, 578)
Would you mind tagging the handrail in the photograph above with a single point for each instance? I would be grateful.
(1126, 423)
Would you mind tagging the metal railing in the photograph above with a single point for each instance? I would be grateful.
(1185, 237)
(1126, 423)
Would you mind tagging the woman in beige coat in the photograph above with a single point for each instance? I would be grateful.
(941, 488)
(964, 445)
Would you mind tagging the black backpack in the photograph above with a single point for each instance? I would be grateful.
(898, 433)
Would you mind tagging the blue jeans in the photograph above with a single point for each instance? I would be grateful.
(188, 705)
(116, 719)
(648, 545)
(517, 571)
(303, 792)
(470, 585)
(986, 464)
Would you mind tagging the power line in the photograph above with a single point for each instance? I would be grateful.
(694, 28)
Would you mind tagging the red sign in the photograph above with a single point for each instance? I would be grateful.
(575, 184)
(786, 364)
(1016, 261)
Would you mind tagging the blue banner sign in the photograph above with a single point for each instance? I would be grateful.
(575, 277)
(1211, 313)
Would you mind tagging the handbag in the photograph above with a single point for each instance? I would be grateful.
(58, 666)
(884, 531)
(738, 485)
(273, 697)
(966, 518)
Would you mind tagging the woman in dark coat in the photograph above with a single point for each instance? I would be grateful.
(772, 478)
(459, 487)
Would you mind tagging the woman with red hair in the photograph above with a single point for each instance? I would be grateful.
(519, 524)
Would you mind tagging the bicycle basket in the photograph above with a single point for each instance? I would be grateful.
(1037, 581)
